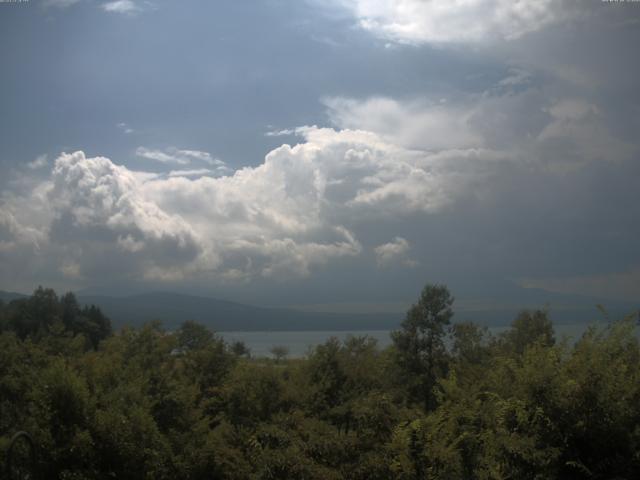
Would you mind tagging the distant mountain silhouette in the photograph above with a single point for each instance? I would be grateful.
(8, 296)
(220, 315)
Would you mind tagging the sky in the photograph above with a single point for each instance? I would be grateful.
(334, 154)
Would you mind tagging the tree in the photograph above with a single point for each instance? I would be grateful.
(45, 315)
(280, 352)
(469, 342)
(204, 353)
(240, 349)
(3, 315)
(94, 324)
(70, 311)
(194, 336)
(529, 328)
(35, 315)
(421, 353)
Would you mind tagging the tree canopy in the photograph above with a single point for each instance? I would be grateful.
(444, 401)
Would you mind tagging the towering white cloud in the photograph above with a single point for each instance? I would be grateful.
(98, 208)
(300, 209)
(294, 212)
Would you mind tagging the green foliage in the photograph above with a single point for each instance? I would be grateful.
(469, 343)
(421, 353)
(44, 314)
(240, 349)
(253, 394)
(147, 403)
(527, 329)
(193, 336)
(279, 352)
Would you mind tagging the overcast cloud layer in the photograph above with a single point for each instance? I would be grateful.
(493, 147)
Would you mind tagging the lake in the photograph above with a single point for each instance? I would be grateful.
(299, 343)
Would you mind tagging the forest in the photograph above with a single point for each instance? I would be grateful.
(447, 400)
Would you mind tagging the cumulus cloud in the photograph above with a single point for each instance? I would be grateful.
(13, 235)
(413, 124)
(98, 213)
(512, 121)
(457, 22)
(294, 212)
(394, 253)
(300, 209)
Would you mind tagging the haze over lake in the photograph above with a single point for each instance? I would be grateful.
(300, 343)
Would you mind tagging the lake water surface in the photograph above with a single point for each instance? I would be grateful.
(299, 343)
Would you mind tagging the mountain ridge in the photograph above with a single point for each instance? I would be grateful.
(172, 308)
(224, 315)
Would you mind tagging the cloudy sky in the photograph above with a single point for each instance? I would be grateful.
(338, 153)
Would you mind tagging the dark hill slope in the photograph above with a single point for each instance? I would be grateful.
(220, 315)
